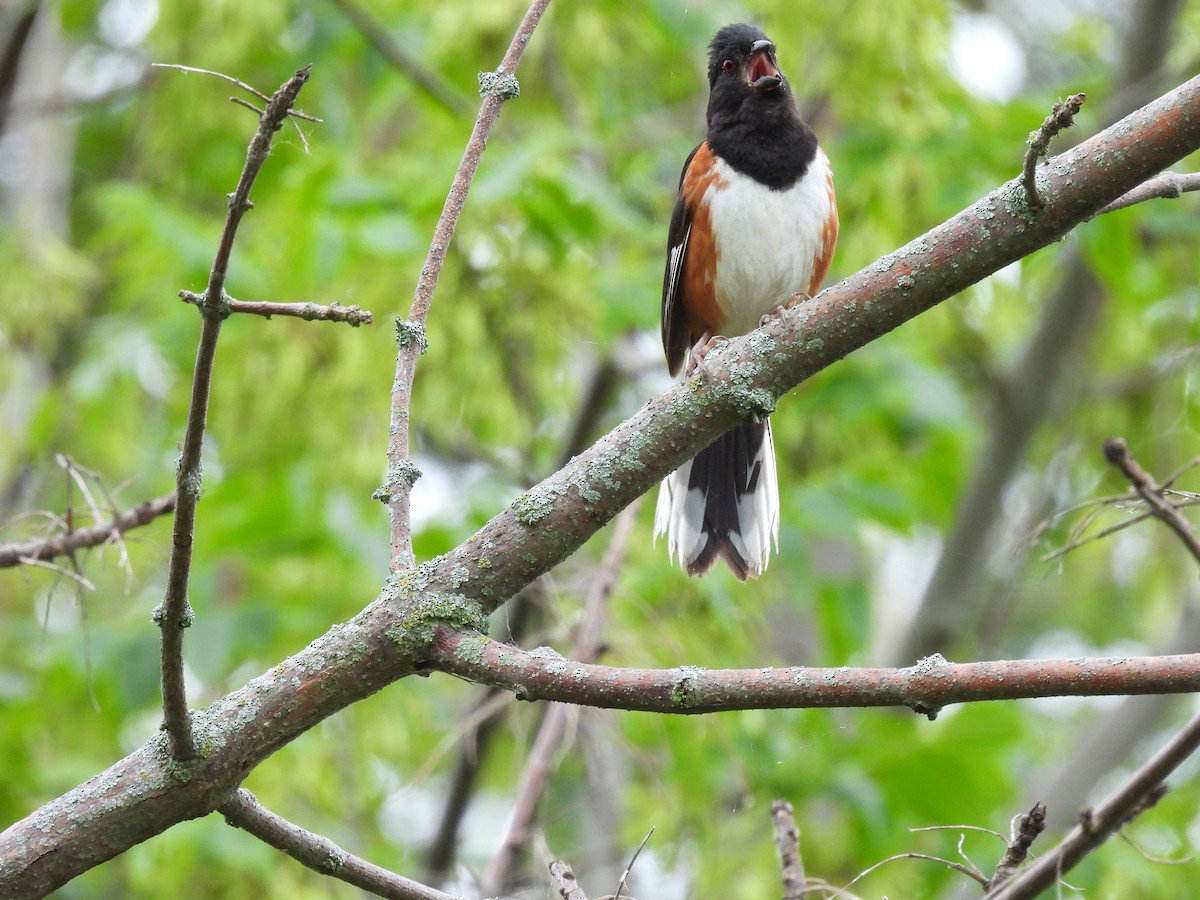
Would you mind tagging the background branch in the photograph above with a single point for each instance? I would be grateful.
(20, 553)
(440, 90)
(538, 766)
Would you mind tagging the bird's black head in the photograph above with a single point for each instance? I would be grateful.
(753, 122)
(741, 61)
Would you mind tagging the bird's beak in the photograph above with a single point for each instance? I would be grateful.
(761, 71)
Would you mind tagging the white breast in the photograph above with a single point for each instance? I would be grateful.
(767, 241)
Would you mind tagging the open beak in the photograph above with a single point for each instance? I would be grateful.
(761, 71)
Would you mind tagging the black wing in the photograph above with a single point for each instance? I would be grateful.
(675, 338)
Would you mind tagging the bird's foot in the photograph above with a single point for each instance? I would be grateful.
(701, 349)
(791, 303)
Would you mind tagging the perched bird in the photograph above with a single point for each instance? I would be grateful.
(755, 222)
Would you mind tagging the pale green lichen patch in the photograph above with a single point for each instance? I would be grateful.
(471, 649)
(544, 652)
(683, 693)
(538, 502)
(433, 609)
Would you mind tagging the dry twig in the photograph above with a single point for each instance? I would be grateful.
(1062, 116)
(174, 614)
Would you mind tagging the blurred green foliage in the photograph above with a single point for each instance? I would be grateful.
(558, 260)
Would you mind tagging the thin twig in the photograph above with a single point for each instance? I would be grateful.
(28, 552)
(428, 80)
(969, 871)
(554, 724)
(310, 312)
(321, 854)
(1096, 826)
(396, 491)
(291, 113)
(1062, 116)
(175, 613)
(77, 577)
(1117, 453)
(787, 845)
(622, 884)
(1029, 826)
(1166, 186)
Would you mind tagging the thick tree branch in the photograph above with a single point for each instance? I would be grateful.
(925, 688)
(321, 854)
(147, 792)
(175, 613)
(24, 552)
(1096, 826)
(496, 87)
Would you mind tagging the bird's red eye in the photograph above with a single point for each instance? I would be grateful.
(727, 66)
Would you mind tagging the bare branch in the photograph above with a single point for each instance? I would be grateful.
(1095, 827)
(1167, 186)
(175, 613)
(787, 845)
(496, 87)
(70, 542)
(310, 312)
(1062, 116)
(321, 854)
(1117, 453)
(925, 688)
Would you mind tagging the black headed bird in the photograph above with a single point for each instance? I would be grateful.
(755, 223)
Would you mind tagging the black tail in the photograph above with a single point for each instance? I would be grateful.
(724, 504)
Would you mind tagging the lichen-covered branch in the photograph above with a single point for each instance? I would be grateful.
(926, 687)
(148, 792)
